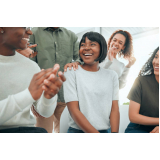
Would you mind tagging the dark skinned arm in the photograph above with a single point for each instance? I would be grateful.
(79, 118)
(114, 117)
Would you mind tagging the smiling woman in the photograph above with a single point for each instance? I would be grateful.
(91, 92)
(23, 84)
(144, 98)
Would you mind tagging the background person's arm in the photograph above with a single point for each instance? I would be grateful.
(79, 118)
(137, 118)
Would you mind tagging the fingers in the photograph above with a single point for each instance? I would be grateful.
(55, 69)
(70, 65)
(65, 67)
(43, 73)
(32, 46)
(61, 76)
(33, 54)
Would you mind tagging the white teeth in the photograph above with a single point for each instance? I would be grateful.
(88, 54)
(27, 39)
(115, 47)
(156, 67)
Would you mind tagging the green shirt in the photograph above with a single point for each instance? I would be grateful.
(60, 46)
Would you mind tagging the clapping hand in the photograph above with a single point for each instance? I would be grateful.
(131, 60)
(53, 84)
(46, 81)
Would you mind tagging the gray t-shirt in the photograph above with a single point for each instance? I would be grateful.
(95, 92)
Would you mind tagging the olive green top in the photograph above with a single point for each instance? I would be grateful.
(60, 46)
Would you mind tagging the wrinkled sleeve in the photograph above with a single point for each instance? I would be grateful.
(123, 77)
(14, 104)
(45, 107)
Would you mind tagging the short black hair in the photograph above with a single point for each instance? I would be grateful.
(96, 37)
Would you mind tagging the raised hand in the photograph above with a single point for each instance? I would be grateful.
(131, 60)
(110, 54)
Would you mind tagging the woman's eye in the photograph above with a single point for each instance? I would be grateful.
(92, 44)
(82, 44)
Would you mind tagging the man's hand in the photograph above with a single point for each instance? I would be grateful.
(70, 65)
(29, 53)
(155, 130)
(53, 84)
(36, 83)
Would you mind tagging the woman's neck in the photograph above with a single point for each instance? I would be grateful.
(91, 67)
(5, 51)
(157, 78)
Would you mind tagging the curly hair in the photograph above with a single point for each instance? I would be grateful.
(128, 51)
(147, 69)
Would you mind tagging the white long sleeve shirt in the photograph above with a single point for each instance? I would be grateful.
(16, 73)
(119, 68)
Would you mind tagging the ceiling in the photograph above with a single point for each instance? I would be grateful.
(109, 30)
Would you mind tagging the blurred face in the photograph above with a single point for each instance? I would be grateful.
(155, 63)
(16, 37)
(117, 42)
(89, 51)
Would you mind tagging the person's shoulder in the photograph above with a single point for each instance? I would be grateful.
(37, 29)
(146, 77)
(68, 32)
(70, 72)
(29, 63)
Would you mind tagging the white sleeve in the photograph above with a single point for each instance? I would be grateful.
(123, 77)
(45, 107)
(14, 104)
(115, 87)
(106, 63)
(70, 87)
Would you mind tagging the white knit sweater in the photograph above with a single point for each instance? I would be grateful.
(16, 73)
(119, 68)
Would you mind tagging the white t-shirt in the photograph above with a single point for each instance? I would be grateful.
(95, 92)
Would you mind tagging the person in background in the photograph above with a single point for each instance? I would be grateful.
(23, 84)
(55, 45)
(144, 98)
(92, 92)
(119, 43)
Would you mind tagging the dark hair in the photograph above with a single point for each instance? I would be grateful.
(147, 69)
(128, 50)
(96, 37)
